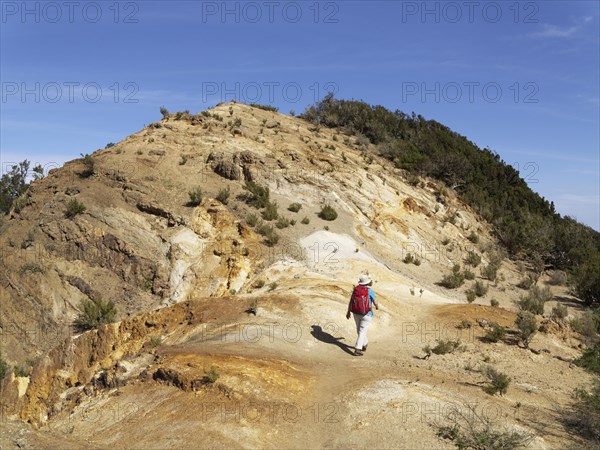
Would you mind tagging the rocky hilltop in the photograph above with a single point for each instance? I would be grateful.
(229, 242)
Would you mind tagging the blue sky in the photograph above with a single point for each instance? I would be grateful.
(521, 78)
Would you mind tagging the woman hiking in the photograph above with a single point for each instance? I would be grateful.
(360, 305)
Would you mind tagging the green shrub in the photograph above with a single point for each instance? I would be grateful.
(470, 295)
(183, 115)
(450, 217)
(264, 107)
(305, 221)
(473, 237)
(271, 239)
(211, 375)
(535, 300)
(413, 179)
(21, 371)
(590, 359)
(295, 207)
(559, 311)
(587, 324)
(88, 164)
(94, 313)
(155, 341)
(480, 288)
(411, 259)
(453, 280)
(464, 324)
(195, 196)
(3, 368)
(445, 241)
(440, 195)
(263, 229)
(328, 213)
(473, 259)
(257, 196)
(470, 429)
(526, 282)
(494, 302)
(499, 381)
(490, 272)
(252, 220)
(270, 211)
(468, 274)
(496, 334)
(164, 111)
(184, 159)
(292, 222)
(20, 203)
(74, 207)
(223, 196)
(259, 284)
(235, 124)
(272, 286)
(527, 326)
(33, 267)
(282, 222)
(585, 414)
(253, 309)
(271, 236)
(442, 347)
(585, 279)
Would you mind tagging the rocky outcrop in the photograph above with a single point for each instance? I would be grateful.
(235, 166)
(91, 359)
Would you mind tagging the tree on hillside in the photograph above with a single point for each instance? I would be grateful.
(12, 185)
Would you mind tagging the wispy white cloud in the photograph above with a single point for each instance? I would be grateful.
(551, 31)
(554, 31)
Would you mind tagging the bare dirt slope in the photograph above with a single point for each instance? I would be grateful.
(184, 278)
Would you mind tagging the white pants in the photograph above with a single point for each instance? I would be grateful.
(362, 324)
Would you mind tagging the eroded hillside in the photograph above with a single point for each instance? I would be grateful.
(198, 286)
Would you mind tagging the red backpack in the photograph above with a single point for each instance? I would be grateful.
(360, 303)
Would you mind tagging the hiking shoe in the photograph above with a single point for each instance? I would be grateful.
(364, 349)
(358, 352)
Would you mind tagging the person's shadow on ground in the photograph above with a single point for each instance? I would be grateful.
(323, 336)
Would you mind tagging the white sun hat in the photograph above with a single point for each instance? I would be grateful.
(364, 279)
